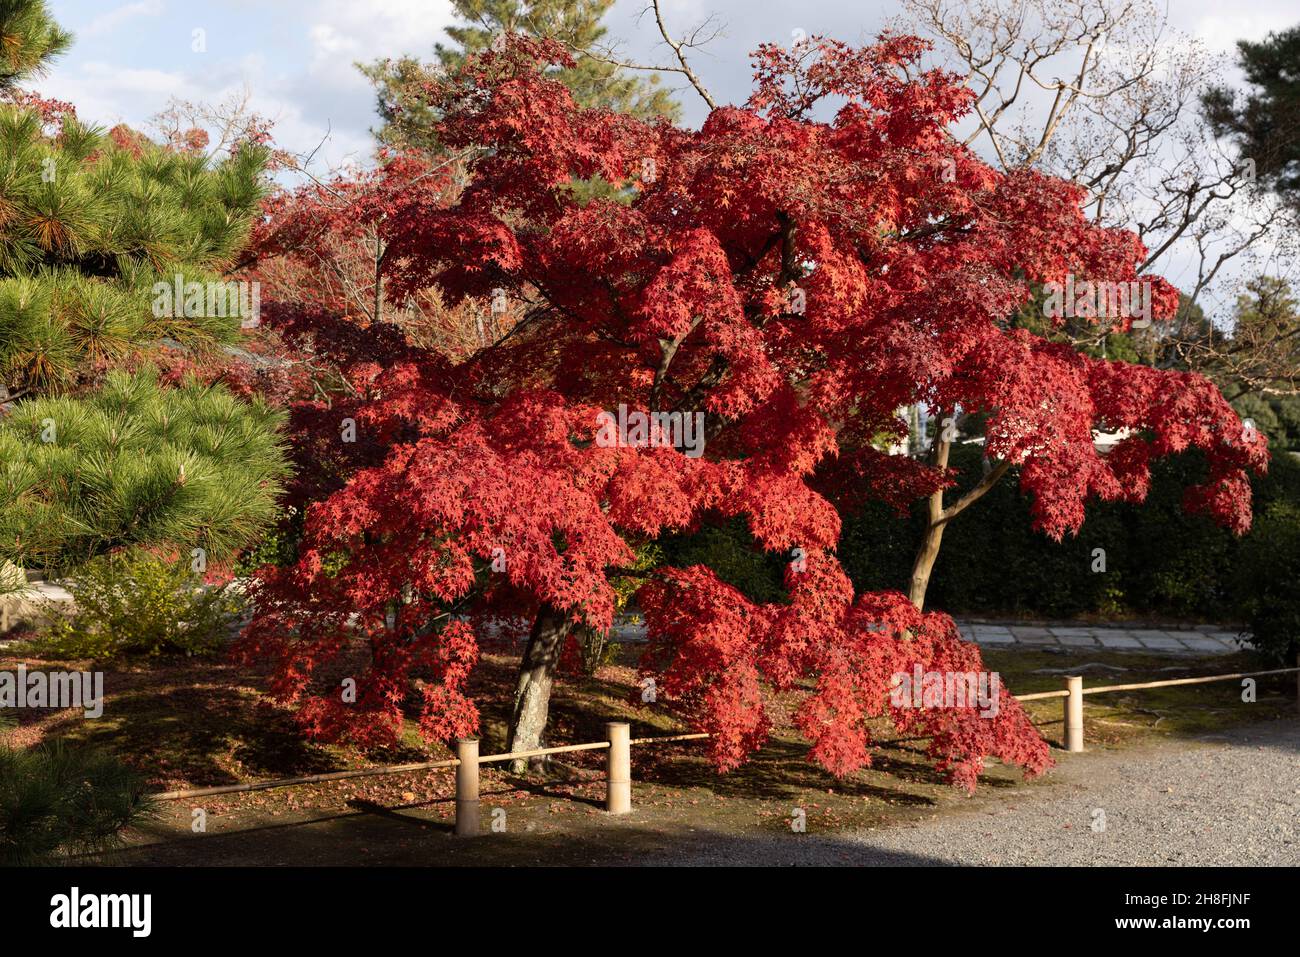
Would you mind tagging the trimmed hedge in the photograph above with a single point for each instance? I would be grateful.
(1160, 562)
(731, 552)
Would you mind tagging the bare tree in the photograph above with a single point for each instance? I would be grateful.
(214, 129)
(694, 39)
(1107, 94)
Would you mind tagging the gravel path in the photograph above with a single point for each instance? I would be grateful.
(1227, 799)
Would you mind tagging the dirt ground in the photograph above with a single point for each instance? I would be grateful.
(189, 724)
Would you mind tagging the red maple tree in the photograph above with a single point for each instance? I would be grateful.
(327, 245)
(795, 281)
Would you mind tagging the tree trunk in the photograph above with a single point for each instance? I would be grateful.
(928, 550)
(938, 516)
(533, 690)
(921, 568)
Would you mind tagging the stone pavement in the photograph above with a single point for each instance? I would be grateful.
(1200, 640)
(1197, 640)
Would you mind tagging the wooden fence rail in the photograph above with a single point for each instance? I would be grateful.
(619, 743)
(1074, 692)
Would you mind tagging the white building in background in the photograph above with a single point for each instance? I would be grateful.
(1103, 442)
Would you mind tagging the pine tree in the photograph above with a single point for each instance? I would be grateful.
(56, 801)
(135, 463)
(1265, 121)
(594, 83)
(29, 39)
(92, 224)
(111, 254)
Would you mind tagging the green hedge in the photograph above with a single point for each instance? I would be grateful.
(731, 552)
(1160, 561)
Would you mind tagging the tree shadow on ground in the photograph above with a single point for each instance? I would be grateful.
(213, 734)
(387, 837)
(781, 770)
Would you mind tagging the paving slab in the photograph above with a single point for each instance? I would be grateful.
(1071, 632)
(1159, 642)
(1204, 643)
(1117, 639)
(1191, 639)
(994, 638)
(1029, 632)
(1080, 641)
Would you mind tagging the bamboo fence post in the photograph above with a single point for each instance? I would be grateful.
(467, 788)
(618, 787)
(1074, 713)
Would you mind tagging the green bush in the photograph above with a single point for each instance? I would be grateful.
(1266, 578)
(136, 464)
(55, 801)
(1159, 559)
(733, 555)
(134, 604)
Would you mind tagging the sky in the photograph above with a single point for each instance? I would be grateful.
(296, 57)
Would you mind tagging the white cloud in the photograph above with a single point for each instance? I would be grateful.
(1220, 32)
(110, 21)
(297, 56)
(106, 94)
(345, 32)
(315, 94)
